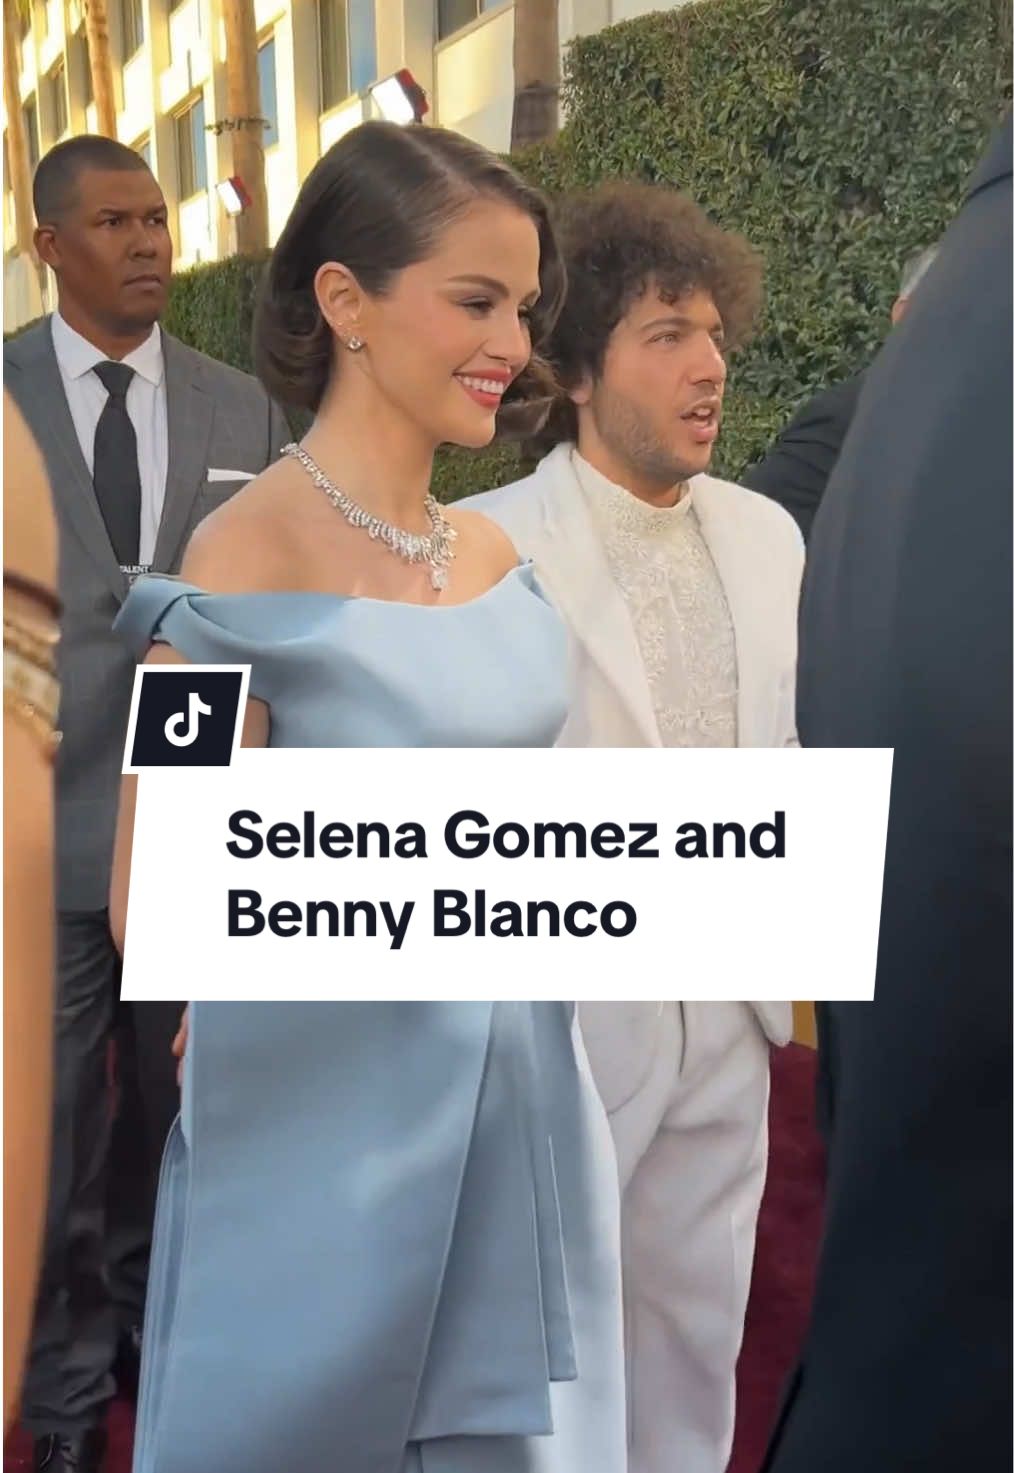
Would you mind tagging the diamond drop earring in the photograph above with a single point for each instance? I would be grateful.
(354, 344)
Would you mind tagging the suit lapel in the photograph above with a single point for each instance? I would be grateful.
(734, 558)
(46, 410)
(578, 578)
(190, 411)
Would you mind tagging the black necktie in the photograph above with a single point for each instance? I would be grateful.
(115, 475)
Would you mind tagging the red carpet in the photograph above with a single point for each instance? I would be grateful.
(782, 1282)
(788, 1236)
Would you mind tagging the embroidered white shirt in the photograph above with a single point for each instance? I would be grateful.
(146, 406)
(677, 605)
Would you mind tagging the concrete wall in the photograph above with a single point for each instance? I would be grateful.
(474, 79)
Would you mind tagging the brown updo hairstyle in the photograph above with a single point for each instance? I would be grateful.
(377, 202)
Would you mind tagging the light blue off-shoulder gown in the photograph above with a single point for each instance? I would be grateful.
(387, 1234)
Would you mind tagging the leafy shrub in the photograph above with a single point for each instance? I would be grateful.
(836, 135)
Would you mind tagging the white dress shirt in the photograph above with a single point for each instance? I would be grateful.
(146, 406)
(669, 582)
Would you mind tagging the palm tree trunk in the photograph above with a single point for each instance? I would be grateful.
(243, 103)
(17, 145)
(100, 62)
(536, 115)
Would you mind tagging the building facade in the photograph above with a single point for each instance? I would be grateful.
(317, 62)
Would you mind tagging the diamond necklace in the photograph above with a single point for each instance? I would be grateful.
(434, 548)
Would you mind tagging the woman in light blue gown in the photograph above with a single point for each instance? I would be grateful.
(387, 1233)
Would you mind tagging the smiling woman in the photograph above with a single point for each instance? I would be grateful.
(432, 211)
(405, 305)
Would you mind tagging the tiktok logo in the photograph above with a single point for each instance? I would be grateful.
(190, 719)
(185, 716)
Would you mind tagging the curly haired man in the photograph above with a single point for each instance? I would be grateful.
(680, 591)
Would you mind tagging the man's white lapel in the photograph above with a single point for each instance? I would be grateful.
(758, 552)
(587, 596)
(548, 517)
(735, 557)
(551, 523)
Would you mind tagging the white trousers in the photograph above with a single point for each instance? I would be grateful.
(685, 1086)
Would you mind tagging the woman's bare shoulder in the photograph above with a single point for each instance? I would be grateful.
(480, 537)
(247, 544)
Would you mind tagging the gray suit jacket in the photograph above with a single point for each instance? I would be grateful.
(218, 417)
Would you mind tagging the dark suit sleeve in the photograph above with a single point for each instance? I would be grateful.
(795, 470)
(905, 642)
(279, 433)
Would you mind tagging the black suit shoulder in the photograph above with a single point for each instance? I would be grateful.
(834, 405)
(905, 643)
(796, 469)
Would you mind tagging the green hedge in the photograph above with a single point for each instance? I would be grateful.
(211, 308)
(837, 135)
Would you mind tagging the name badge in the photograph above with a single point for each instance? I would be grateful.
(133, 571)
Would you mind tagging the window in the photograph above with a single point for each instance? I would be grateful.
(362, 29)
(453, 14)
(269, 91)
(132, 26)
(58, 99)
(32, 133)
(333, 45)
(191, 152)
(143, 147)
(347, 44)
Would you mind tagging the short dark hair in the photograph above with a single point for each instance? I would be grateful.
(617, 240)
(54, 188)
(377, 202)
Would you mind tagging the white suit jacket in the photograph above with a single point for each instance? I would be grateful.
(758, 552)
